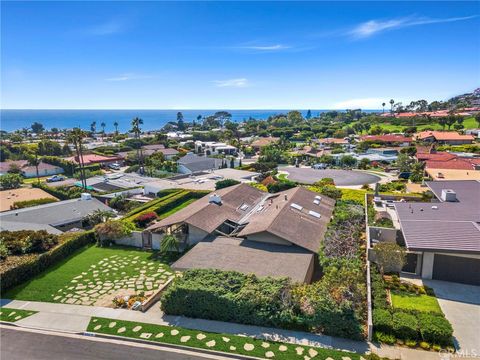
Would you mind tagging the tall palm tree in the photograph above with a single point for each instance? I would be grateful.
(383, 108)
(75, 137)
(391, 105)
(103, 129)
(33, 160)
(93, 127)
(115, 124)
(136, 122)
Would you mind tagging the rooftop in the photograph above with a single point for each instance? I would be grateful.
(249, 257)
(443, 135)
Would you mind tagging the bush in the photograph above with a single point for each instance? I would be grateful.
(435, 329)
(144, 219)
(61, 192)
(384, 338)
(111, 230)
(382, 320)
(30, 203)
(33, 265)
(280, 186)
(411, 343)
(424, 345)
(10, 181)
(225, 183)
(27, 241)
(405, 325)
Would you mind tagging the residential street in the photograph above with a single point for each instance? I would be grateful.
(18, 344)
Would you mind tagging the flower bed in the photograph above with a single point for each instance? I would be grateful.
(233, 344)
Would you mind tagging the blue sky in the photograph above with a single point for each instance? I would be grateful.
(236, 55)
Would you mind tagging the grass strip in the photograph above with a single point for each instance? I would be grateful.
(408, 301)
(13, 315)
(233, 344)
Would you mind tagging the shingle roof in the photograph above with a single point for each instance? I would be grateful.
(48, 215)
(272, 213)
(248, 257)
(197, 163)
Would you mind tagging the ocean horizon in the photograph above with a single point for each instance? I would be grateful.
(13, 119)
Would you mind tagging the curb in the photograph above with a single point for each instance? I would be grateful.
(173, 346)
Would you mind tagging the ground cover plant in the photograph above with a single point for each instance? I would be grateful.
(233, 344)
(95, 275)
(12, 315)
(411, 301)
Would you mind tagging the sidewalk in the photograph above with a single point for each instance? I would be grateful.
(75, 318)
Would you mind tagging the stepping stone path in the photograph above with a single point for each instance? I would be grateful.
(159, 335)
(137, 328)
(211, 343)
(299, 350)
(248, 347)
(312, 352)
(282, 348)
(201, 336)
(105, 277)
(97, 327)
(225, 339)
(233, 348)
(145, 335)
(112, 324)
(184, 339)
(174, 332)
(121, 330)
(265, 345)
(269, 354)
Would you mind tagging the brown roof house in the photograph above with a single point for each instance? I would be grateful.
(244, 229)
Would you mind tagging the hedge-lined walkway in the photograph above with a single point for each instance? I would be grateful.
(239, 345)
(12, 315)
(95, 275)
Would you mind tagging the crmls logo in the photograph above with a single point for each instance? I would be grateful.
(447, 355)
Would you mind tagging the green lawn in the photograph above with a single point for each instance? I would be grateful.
(12, 315)
(239, 345)
(95, 275)
(410, 301)
(177, 208)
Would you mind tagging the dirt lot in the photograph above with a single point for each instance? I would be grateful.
(8, 197)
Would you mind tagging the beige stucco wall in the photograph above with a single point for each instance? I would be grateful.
(195, 234)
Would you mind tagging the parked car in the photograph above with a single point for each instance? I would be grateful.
(319, 166)
(55, 178)
(114, 166)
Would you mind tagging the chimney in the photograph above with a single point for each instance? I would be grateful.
(448, 195)
(86, 196)
(215, 199)
(286, 197)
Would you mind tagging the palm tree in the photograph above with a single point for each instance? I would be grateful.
(136, 122)
(75, 137)
(169, 243)
(391, 105)
(115, 124)
(33, 160)
(93, 127)
(383, 108)
(103, 129)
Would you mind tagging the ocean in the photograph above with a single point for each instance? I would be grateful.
(11, 120)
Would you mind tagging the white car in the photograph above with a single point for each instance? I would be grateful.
(114, 166)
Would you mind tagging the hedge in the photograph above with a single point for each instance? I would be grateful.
(30, 203)
(33, 266)
(383, 320)
(405, 326)
(435, 329)
(60, 192)
(163, 195)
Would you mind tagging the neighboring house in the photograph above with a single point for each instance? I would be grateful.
(260, 143)
(168, 153)
(214, 148)
(244, 229)
(90, 159)
(443, 237)
(388, 139)
(444, 137)
(55, 217)
(29, 171)
(192, 163)
(370, 155)
(447, 161)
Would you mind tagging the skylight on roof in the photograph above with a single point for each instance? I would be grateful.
(316, 202)
(296, 206)
(244, 207)
(318, 197)
(314, 214)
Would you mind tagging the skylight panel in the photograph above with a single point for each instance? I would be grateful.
(296, 206)
(314, 214)
(244, 207)
(316, 202)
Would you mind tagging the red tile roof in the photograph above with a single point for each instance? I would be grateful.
(454, 164)
(387, 138)
(438, 156)
(443, 135)
(94, 158)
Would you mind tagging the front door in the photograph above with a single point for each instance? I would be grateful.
(147, 240)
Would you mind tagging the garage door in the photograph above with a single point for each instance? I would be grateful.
(456, 269)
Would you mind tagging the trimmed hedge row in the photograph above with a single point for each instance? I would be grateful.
(407, 325)
(59, 192)
(30, 203)
(163, 195)
(32, 266)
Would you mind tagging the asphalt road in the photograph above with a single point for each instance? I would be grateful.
(23, 345)
(340, 177)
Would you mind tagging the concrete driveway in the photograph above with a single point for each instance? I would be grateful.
(461, 305)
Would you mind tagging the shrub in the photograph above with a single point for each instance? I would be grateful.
(10, 181)
(144, 219)
(384, 338)
(30, 266)
(27, 241)
(225, 183)
(389, 256)
(382, 320)
(61, 192)
(30, 203)
(280, 186)
(411, 343)
(405, 325)
(436, 347)
(424, 345)
(111, 230)
(435, 329)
